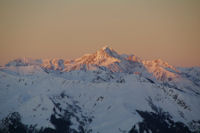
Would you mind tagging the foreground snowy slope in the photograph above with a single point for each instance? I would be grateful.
(109, 93)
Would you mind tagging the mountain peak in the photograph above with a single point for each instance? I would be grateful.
(107, 52)
(106, 47)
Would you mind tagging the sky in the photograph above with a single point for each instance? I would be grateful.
(150, 29)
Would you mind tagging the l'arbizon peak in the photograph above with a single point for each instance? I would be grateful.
(101, 92)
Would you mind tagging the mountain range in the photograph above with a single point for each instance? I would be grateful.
(102, 92)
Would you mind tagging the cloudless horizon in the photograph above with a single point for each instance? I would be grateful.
(68, 29)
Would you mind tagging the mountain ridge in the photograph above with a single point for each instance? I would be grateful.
(104, 57)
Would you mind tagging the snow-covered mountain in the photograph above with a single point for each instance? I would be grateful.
(103, 92)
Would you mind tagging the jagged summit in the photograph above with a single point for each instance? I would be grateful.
(107, 51)
(98, 57)
(102, 57)
(106, 47)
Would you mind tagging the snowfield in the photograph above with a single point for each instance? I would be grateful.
(105, 93)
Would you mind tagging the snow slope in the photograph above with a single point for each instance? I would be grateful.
(103, 92)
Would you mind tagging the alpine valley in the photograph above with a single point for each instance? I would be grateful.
(103, 92)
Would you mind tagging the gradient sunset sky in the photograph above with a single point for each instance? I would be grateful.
(150, 29)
